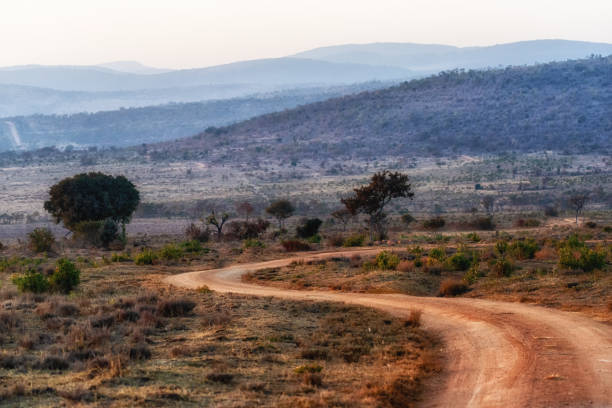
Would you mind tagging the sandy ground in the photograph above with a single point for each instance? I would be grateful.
(497, 354)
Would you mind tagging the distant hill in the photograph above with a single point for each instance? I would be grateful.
(557, 106)
(434, 58)
(132, 67)
(271, 72)
(126, 127)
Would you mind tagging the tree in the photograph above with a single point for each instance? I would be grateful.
(281, 210)
(218, 223)
(308, 228)
(245, 208)
(92, 197)
(343, 215)
(488, 202)
(372, 198)
(577, 202)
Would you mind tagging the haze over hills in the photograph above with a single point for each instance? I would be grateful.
(435, 58)
(564, 106)
(72, 89)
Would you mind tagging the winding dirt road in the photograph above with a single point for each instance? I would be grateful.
(497, 354)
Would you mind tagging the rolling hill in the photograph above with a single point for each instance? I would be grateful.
(557, 106)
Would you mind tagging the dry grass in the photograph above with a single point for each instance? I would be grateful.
(452, 287)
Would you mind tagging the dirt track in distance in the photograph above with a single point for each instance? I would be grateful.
(497, 354)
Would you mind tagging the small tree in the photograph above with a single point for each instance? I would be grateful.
(245, 208)
(92, 197)
(577, 201)
(488, 202)
(344, 216)
(281, 210)
(217, 222)
(372, 198)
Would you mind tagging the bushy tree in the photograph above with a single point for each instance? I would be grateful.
(309, 227)
(281, 210)
(217, 222)
(92, 197)
(343, 215)
(372, 198)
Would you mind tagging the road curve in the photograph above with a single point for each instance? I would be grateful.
(497, 354)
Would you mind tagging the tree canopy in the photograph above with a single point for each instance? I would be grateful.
(92, 197)
(280, 210)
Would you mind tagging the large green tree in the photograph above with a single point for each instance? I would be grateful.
(372, 198)
(92, 197)
(280, 209)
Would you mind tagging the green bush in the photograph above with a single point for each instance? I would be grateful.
(193, 247)
(315, 239)
(523, 249)
(41, 240)
(120, 257)
(31, 281)
(386, 260)
(354, 241)
(472, 236)
(472, 275)
(146, 257)
(308, 227)
(501, 247)
(109, 232)
(253, 243)
(438, 253)
(582, 258)
(459, 262)
(170, 252)
(501, 266)
(65, 277)
(434, 223)
(89, 232)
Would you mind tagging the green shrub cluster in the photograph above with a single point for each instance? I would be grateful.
(501, 266)
(523, 249)
(459, 261)
(41, 240)
(387, 260)
(193, 247)
(64, 278)
(170, 252)
(145, 257)
(253, 243)
(438, 253)
(582, 258)
(120, 257)
(472, 236)
(354, 241)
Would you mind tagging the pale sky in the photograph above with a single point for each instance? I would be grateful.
(197, 33)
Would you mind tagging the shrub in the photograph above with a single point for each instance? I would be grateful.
(459, 261)
(582, 258)
(523, 249)
(193, 247)
(526, 223)
(483, 223)
(88, 231)
(120, 257)
(66, 276)
(501, 247)
(386, 260)
(452, 287)
(354, 241)
(253, 243)
(140, 352)
(551, 211)
(294, 245)
(53, 363)
(501, 266)
(408, 219)
(406, 266)
(223, 378)
(472, 236)
(41, 240)
(590, 224)
(438, 253)
(175, 308)
(315, 239)
(434, 223)
(308, 228)
(31, 281)
(414, 318)
(335, 240)
(170, 252)
(193, 232)
(472, 275)
(145, 257)
(242, 230)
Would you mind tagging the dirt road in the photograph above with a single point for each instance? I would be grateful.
(497, 354)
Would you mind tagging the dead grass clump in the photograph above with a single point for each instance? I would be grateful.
(175, 308)
(406, 266)
(414, 318)
(127, 316)
(314, 353)
(222, 378)
(28, 342)
(402, 391)
(103, 320)
(53, 363)
(84, 336)
(140, 352)
(294, 245)
(355, 261)
(216, 319)
(9, 321)
(546, 253)
(54, 308)
(452, 287)
(77, 395)
(335, 240)
(9, 362)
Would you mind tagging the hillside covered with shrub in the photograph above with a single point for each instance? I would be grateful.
(565, 107)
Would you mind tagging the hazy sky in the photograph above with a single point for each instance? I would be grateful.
(194, 33)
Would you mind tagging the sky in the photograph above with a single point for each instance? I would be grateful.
(198, 33)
